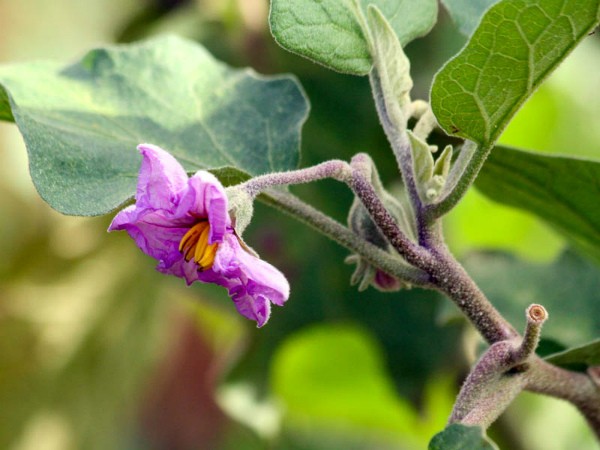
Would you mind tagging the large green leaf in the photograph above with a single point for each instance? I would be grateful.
(588, 354)
(563, 191)
(461, 437)
(330, 32)
(467, 13)
(82, 123)
(516, 46)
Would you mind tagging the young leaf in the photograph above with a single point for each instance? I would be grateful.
(466, 14)
(516, 46)
(562, 191)
(81, 123)
(588, 354)
(393, 68)
(330, 32)
(459, 437)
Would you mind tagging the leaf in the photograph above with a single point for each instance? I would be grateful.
(563, 191)
(81, 123)
(588, 354)
(392, 68)
(466, 14)
(330, 32)
(568, 289)
(516, 46)
(336, 373)
(460, 437)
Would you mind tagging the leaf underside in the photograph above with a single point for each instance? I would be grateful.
(563, 191)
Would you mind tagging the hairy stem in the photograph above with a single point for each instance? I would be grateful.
(574, 387)
(450, 278)
(331, 228)
(411, 252)
(398, 141)
(336, 169)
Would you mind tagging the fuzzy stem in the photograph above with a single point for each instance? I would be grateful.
(411, 252)
(450, 278)
(574, 387)
(377, 257)
(336, 169)
(490, 386)
(536, 315)
(399, 142)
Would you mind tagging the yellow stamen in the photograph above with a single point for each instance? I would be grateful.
(194, 244)
(209, 257)
(202, 244)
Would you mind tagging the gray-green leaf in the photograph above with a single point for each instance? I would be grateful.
(81, 123)
(467, 13)
(330, 32)
(393, 68)
(516, 46)
(461, 437)
(588, 354)
(563, 191)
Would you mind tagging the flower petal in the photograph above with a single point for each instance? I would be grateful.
(206, 198)
(252, 283)
(161, 179)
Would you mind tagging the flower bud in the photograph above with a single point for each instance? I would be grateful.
(360, 222)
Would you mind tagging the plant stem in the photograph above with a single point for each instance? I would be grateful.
(399, 143)
(377, 257)
(577, 388)
(411, 252)
(336, 169)
(450, 278)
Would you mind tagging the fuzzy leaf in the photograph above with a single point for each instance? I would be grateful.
(81, 123)
(393, 68)
(516, 46)
(460, 437)
(442, 164)
(588, 354)
(562, 191)
(329, 32)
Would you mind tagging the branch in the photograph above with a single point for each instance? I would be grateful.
(324, 224)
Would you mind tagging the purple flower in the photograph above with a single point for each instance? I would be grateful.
(184, 224)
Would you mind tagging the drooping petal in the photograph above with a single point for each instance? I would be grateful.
(161, 180)
(252, 283)
(254, 307)
(263, 278)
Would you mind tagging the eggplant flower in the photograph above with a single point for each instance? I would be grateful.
(184, 223)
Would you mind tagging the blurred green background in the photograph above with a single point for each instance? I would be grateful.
(99, 351)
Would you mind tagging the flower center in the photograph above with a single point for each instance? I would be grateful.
(194, 245)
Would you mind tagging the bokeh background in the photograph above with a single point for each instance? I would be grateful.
(99, 351)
